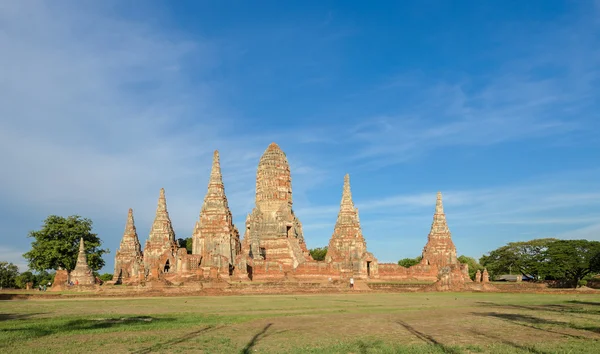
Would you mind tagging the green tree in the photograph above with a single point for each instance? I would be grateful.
(572, 260)
(186, 243)
(527, 258)
(105, 277)
(8, 275)
(474, 266)
(24, 278)
(56, 245)
(409, 262)
(44, 277)
(319, 253)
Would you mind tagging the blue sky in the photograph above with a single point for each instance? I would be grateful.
(496, 104)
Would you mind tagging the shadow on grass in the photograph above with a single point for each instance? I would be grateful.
(38, 329)
(573, 307)
(590, 303)
(509, 343)
(427, 338)
(533, 323)
(165, 345)
(17, 316)
(248, 348)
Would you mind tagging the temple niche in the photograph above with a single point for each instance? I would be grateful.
(273, 242)
(347, 249)
(215, 239)
(129, 262)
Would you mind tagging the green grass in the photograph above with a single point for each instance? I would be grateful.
(337, 323)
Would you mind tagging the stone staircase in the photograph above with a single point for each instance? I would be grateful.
(361, 285)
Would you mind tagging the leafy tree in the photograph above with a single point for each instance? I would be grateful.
(409, 262)
(8, 275)
(572, 260)
(527, 258)
(474, 266)
(56, 245)
(319, 253)
(44, 277)
(24, 278)
(105, 277)
(186, 243)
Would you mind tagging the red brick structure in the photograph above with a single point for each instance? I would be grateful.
(160, 252)
(439, 250)
(129, 264)
(273, 244)
(273, 247)
(347, 250)
(215, 239)
(82, 274)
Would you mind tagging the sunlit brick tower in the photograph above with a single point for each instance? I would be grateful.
(128, 258)
(215, 238)
(347, 250)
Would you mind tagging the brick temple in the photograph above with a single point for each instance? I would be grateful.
(273, 246)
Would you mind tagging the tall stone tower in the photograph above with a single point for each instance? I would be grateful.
(161, 247)
(215, 238)
(440, 249)
(128, 258)
(347, 248)
(82, 274)
(273, 232)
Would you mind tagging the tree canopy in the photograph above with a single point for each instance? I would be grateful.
(569, 260)
(186, 243)
(318, 254)
(409, 262)
(8, 275)
(42, 278)
(518, 257)
(572, 260)
(56, 245)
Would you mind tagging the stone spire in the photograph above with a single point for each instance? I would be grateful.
(162, 229)
(440, 249)
(347, 246)
(130, 241)
(348, 215)
(273, 232)
(439, 228)
(273, 180)
(129, 255)
(214, 235)
(82, 274)
(215, 197)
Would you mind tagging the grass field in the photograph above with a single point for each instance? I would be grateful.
(342, 323)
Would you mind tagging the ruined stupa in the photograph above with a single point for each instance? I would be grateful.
(128, 258)
(347, 250)
(161, 247)
(273, 232)
(82, 274)
(439, 250)
(215, 238)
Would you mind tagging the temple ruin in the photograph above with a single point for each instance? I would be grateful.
(129, 262)
(215, 239)
(273, 246)
(347, 249)
(82, 274)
